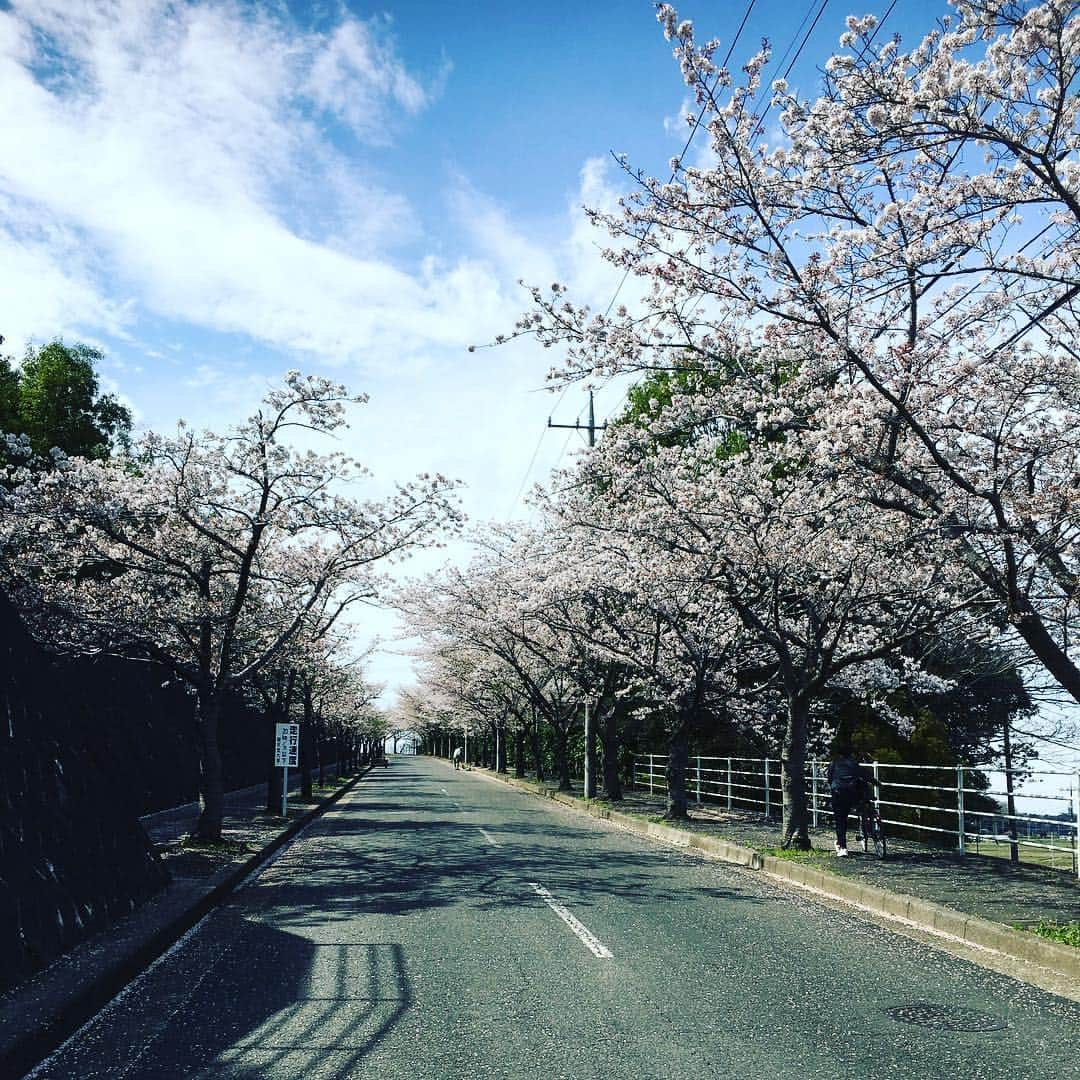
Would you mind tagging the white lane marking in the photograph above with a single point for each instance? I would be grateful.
(132, 987)
(489, 838)
(588, 938)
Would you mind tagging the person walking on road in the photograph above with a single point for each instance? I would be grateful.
(457, 757)
(849, 785)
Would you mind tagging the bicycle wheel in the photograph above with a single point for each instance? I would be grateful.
(866, 827)
(879, 837)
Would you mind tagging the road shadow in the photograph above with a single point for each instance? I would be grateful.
(400, 849)
(277, 1004)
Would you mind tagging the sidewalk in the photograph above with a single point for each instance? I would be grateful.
(39, 1015)
(970, 899)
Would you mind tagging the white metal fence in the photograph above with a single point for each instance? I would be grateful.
(926, 799)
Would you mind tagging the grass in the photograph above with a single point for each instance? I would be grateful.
(818, 857)
(1060, 858)
(1066, 933)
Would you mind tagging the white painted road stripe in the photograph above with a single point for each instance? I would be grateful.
(587, 937)
(489, 838)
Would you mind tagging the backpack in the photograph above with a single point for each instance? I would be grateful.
(847, 778)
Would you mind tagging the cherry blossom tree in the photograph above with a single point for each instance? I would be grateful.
(884, 274)
(491, 608)
(641, 612)
(769, 585)
(210, 553)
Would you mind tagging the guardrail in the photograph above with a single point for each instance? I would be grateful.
(943, 804)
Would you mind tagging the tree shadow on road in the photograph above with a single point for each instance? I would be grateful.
(279, 1004)
(393, 856)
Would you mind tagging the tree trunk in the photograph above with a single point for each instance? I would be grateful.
(678, 757)
(562, 757)
(500, 747)
(320, 749)
(519, 752)
(793, 776)
(212, 780)
(537, 749)
(609, 735)
(1050, 654)
(590, 753)
(307, 747)
(1010, 798)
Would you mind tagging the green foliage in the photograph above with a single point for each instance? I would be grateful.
(55, 400)
(808, 857)
(1067, 933)
(9, 396)
(957, 726)
(653, 397)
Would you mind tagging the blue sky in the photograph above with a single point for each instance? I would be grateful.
(216, 191)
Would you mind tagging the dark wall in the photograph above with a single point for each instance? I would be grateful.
(145, 736)
(73, 857)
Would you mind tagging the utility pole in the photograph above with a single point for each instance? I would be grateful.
(590, 427)
(590, 755)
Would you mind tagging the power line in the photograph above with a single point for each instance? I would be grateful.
(592, 426)
(528, 472)
(798, 52)
(791, 44)
(689, 140)
(738, 33)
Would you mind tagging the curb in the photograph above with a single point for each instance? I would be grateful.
(936, 919)
(61, 1021)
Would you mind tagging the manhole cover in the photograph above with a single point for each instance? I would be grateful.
(944, 1017)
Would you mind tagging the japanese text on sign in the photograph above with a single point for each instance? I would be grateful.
(287, 745)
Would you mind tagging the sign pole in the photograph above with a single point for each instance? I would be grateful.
(590, 782)
(285, 791)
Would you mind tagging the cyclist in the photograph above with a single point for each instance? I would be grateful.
(849, 785)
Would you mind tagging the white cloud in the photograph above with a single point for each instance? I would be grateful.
(170, 164)
(496, 236)
(357, 73)
(48, 280)
(591, 279)
(165, 135)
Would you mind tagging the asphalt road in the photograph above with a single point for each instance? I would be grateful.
(439, 925)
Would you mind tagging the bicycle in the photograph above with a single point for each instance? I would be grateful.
(871, 830)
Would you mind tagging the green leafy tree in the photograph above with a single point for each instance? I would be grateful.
(58, 403)
(9, 396)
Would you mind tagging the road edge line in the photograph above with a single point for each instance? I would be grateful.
(29, 1050)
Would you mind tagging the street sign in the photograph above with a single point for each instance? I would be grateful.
(287, 745)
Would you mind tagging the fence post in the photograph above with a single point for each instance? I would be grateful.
(633, 771)
(729, 783)
(1076, 820)
(813, 784)
(767, 808)
(650, 773)
(960, 806)
(699, 779)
